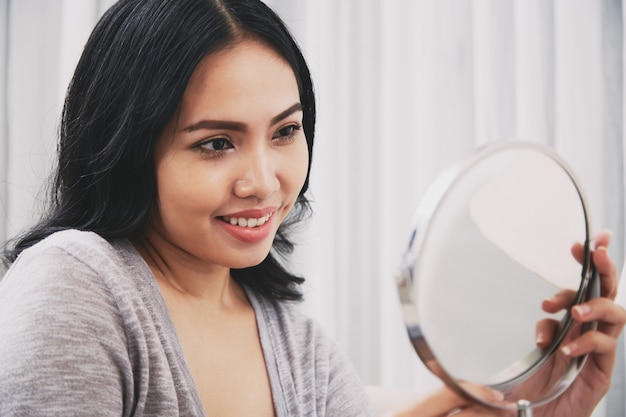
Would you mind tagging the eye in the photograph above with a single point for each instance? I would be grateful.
(215, 147)
(288, 132)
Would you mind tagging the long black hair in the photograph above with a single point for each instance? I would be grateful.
(128, 84)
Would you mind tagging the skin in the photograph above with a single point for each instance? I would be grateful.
(235, 149)
(594, 380)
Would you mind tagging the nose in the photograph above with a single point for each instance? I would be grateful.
(259, 178)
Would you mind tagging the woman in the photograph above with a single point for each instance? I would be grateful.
(153, 285)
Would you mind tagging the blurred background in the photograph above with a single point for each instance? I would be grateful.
(405, 89)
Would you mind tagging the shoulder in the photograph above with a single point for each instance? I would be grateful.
(55, 308)
(59, 259)
(84, 247)
(69, 257)
(61, 279)
(71, 283)
(69, 277)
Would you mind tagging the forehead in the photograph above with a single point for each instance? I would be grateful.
(244, 76)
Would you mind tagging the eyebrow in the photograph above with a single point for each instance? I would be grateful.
(238, 126)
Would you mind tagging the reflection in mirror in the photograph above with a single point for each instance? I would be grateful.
(491, 241)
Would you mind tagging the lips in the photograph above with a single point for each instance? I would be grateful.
(251, 226)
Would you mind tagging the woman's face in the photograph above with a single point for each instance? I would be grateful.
(231, 164)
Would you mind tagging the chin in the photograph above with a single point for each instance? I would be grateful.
(248, 262)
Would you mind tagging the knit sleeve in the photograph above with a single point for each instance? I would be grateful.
(62, 342)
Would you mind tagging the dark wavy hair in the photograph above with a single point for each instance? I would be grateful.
(128, 84)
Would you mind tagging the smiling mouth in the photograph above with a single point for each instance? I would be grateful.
(246, 222)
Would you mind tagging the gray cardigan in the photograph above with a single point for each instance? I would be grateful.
(84, 331)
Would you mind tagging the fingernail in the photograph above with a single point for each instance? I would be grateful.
(607, 232)
(568, 349)
(539, 339)
(582, 309)
(601, 249)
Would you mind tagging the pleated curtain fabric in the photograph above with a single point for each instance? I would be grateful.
(405, 89)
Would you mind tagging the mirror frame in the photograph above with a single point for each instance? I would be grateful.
(405, 283)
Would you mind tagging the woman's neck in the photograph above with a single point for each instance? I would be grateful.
(182, 277)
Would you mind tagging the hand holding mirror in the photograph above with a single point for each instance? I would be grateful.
(491, 240)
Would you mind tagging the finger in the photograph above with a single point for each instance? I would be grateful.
(602, 346)
(559, 301)
(603, 239)
(545, 331)
(482, 392)
(601, 259)
(602, 343)
(578, 250)
(607, 270)
(611, 317)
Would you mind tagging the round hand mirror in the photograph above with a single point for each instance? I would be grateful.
(492, 240)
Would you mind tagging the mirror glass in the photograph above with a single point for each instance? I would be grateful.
(491, 241)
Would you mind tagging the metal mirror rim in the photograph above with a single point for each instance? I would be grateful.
(405, 277)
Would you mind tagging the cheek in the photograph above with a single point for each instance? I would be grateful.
(184, 189)
(171, 185)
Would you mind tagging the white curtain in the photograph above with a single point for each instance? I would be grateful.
(405, 88)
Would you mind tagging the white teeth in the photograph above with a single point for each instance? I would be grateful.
(243, 222)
